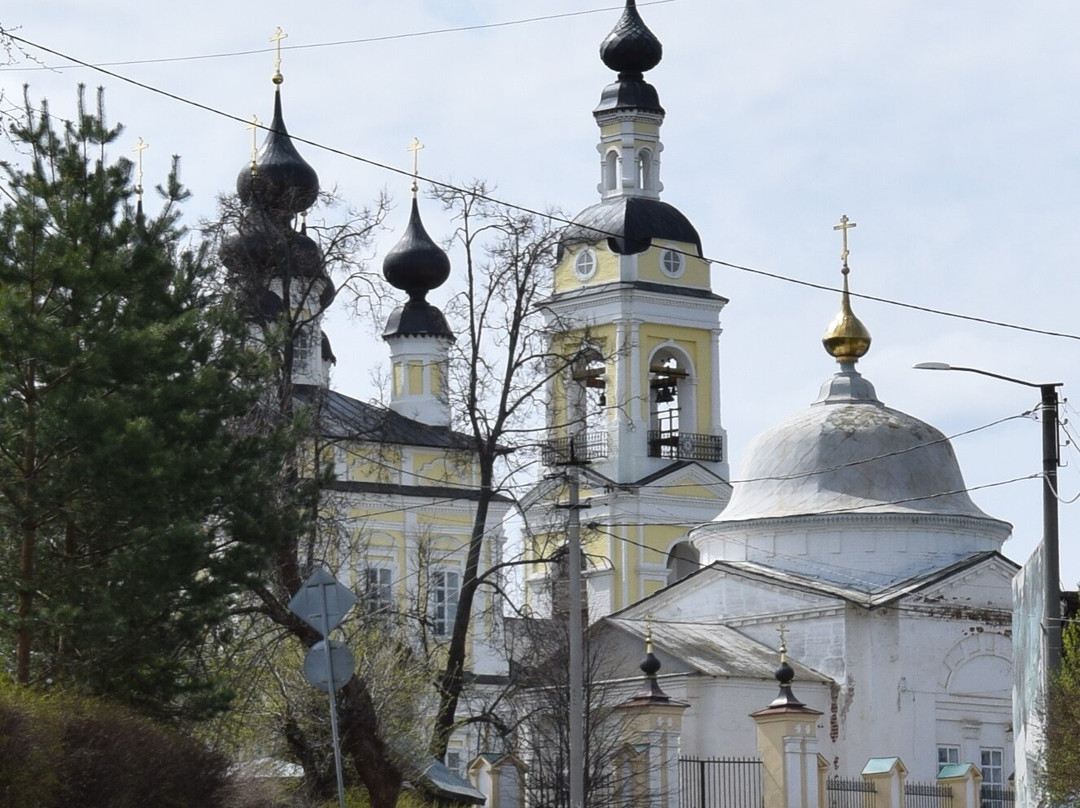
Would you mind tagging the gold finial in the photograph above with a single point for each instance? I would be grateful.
(782, 631)
(415, 148)
(140, 146)
(846, 339)
(254, 127)
(276, 38)
(648, 634)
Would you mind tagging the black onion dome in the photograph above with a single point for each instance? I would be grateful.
(260, 247)
(631, 47)
(417, 318)
(630, 223)
(283, 181)
(650, 665)
(416, 264)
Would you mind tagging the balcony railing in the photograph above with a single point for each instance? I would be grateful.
(676, 445)
(584, 445)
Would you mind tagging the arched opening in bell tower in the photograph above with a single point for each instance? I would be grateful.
(671, 402)
(587, 404)
(645, 172)
(611, 170)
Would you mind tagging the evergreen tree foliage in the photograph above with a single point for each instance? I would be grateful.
(130, 508)
(1063, 724)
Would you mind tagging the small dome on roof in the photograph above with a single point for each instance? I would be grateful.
(416, 264)
(631, 47)
(282, 180)
(630, 223)
(849, 452)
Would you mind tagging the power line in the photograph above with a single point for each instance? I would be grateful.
(534, 212)
(341, 42)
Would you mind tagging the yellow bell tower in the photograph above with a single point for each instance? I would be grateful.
(632, 296)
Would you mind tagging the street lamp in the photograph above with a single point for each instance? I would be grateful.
(1051, 591)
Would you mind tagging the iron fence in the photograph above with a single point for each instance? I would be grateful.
(996, 796)
(582, 446)
(927, 795)
(675, 445)
(720, 783)
(850, 792)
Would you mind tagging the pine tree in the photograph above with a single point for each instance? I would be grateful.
(130, 510)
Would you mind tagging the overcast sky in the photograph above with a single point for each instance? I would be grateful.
(947, 131)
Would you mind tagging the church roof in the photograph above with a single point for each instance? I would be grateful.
(867, 591)
(849, 453)
(343, 417)
(630, 223)
(713, 649)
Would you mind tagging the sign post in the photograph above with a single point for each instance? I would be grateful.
(322, 603)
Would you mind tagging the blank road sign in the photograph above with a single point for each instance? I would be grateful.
(322, 601)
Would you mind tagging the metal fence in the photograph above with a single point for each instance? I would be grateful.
(927, 795)
(720, 783)
(996, 797)
(582, 446)
(676, 445)
(853, 792)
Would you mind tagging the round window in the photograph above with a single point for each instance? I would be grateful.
(585, 264)
(672, 263)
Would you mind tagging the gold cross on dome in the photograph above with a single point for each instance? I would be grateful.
(276, 38)
(254, 127)
(845, 225)
(415, 148)
(140, 146)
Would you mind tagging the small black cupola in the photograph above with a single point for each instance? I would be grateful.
(630, 49)
(416, 265)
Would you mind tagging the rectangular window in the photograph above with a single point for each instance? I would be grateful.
(378, 589)
(992, 767)
(453, 763)
(445, 587)
(947, 754)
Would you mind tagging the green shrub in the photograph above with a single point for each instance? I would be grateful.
(60, 751)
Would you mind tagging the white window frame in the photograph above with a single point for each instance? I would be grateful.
(445, 592)
(672, 263)
(585, 264)
(992, 766)
(378, 588)
(947, 754)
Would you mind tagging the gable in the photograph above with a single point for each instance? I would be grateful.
(980, 591)
(732, 594)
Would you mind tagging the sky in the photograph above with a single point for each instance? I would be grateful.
(946, 131)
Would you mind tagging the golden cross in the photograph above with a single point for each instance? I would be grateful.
(140, 146)
(276, 38)
(845, 225)
(782, 631)
(254, 127)
(415, 148)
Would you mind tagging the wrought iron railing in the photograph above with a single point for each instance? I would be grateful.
(720, 783)
(850, 792)
(675, 445)
(582, 446)
(927, 795)
(991, 796)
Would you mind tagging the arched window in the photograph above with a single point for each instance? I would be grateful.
(645, 170)
(683, 560)
(611, 171)
(587, 405)
(672, 409)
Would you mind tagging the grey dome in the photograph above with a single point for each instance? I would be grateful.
(849, 453)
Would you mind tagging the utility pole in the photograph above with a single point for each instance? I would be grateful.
(576, 631)
(1051, 561)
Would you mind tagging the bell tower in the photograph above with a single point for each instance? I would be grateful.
(632, 297)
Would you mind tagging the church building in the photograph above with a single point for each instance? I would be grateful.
(632, 296)
(397, 514)
(848, 534)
